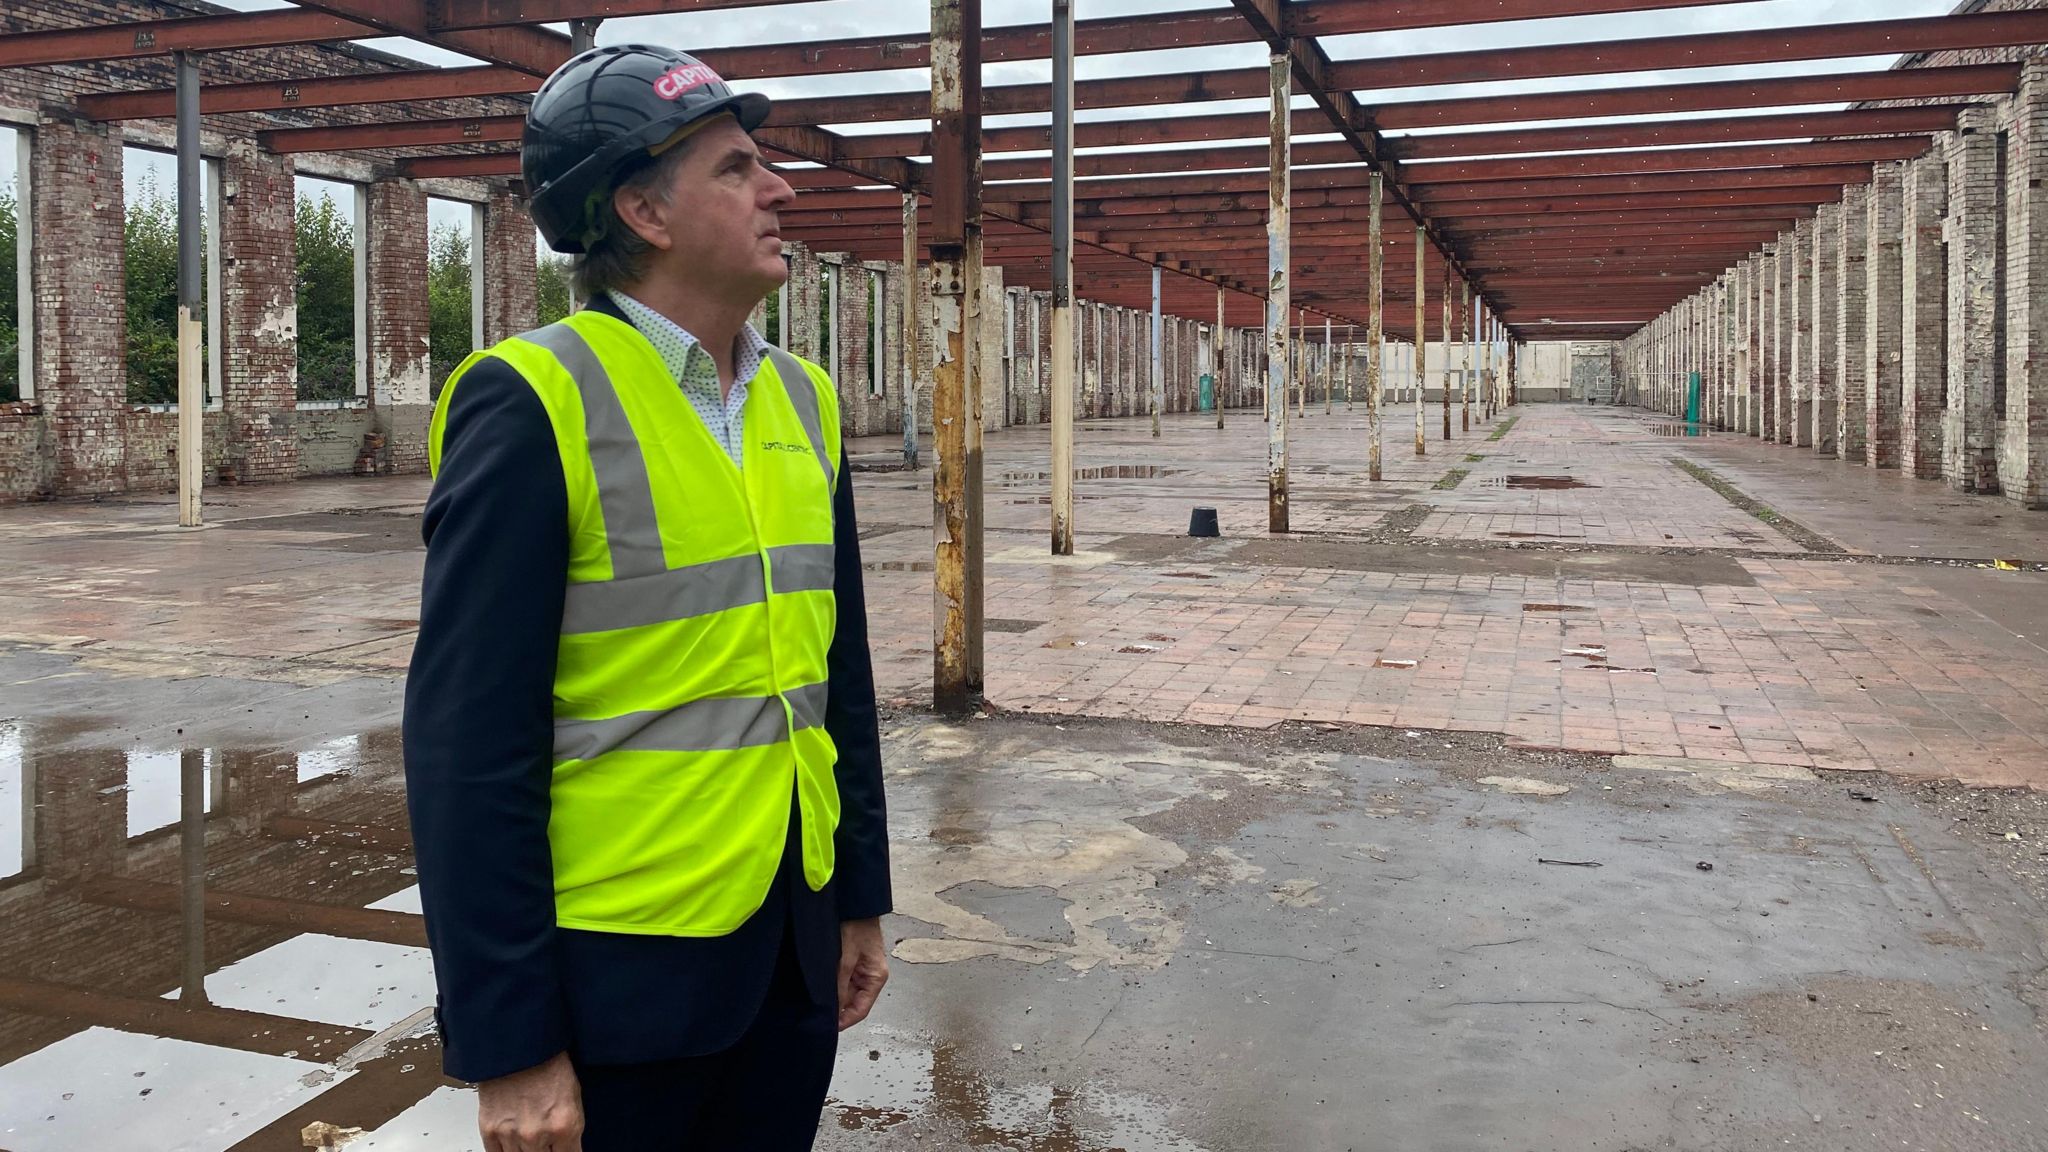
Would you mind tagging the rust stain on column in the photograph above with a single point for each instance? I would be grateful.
(1375, 326)
(1280, 81)
(955, 259)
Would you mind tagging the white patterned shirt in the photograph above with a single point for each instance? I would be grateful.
(695, 372)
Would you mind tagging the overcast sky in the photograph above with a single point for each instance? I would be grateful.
(828, 19)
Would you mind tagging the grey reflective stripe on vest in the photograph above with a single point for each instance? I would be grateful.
(674, 594)
(801, 567)
(623, 489)
(715, 725)
(803, 396)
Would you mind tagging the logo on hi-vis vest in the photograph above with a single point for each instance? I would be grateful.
(682, 78)
(783, 446)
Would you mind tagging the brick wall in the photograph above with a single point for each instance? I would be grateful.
(259, 311)
(1852, 324)
(1923, 286)
(511, 287)
(1882, 299)
(1976, 266)
(1827, 321)
(2023, 463)
(80, 435)
(399, 328)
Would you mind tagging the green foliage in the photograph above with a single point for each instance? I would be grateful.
(10, 302)
(150, 239)
(552, 274)
(448, 297)
(327, 300)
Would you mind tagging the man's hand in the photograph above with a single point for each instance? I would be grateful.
(863, 969)
(539, 1109)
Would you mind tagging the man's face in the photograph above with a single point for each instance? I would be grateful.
(720, 221)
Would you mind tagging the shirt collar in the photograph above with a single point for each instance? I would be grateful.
(752, 347)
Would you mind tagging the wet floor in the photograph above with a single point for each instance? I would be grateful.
(1108, 936)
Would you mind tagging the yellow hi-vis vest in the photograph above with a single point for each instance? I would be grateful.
(690, 682)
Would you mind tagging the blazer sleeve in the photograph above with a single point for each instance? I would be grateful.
(479, 726)
(861, 875)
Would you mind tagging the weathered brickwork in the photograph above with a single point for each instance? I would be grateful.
(1769, 342)
(1798, 409)
(1881, 297)
(511, 284)
(1923, 286)
(2023, 464)
(1827, 322)
(80, 435)
(401, 364)
(1852, 324)
(1973, 317)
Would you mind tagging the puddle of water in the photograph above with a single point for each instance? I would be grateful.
(894, 1079)
(1677, 430)
(1555, 608)
(1546, 483)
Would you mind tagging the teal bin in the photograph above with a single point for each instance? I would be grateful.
(1208, 392)
(1692, 400)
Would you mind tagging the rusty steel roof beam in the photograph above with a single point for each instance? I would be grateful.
(395, 134)
(318, 92)
(1839, 40)
(1834, 175)
(533, 50)
(140, 38)
(1858, 151)
(1720, 130)
(1961, 80)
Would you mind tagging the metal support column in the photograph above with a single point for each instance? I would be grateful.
(1374, 329)
(955, 267)
(1278, 183)
(1158, 356)
(1222, 374)
(191, 386)
(1063, 277)
(913, 296)
(1449, 311)
(1421, 333)
(1329, 403)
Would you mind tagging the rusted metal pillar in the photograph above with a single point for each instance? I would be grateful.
(1329, 401)
(192, 869)
(1063, 278)
(1449, 310)
(1220, 386)
(1158, 388)
(1279, 122)
(191, 385)
(1421, 333)
(1301, 367)
(1468, 336)
(912, 291)
(955, 267)
(1374, 328)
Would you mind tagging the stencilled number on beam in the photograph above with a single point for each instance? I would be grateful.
(290, 94)
(145, 41)
(471, 131)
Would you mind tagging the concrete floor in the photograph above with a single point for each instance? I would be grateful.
(1111, 933)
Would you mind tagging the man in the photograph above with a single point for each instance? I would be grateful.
(640, 738)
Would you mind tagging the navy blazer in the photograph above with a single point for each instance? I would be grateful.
(516, 989)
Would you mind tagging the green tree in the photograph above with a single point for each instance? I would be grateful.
(327, 300)
(10, 302)
(552, 276)
(448, 298)
(150, 233)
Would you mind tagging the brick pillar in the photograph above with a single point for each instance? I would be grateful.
(991, 345)
(81, 303)
(1797, 429)
(1769, 340)
(1923, 281)
(401, 368)
(1827, 322)
(1852, 331)
(802, 300)
(1881, 302)
(1970, 460)
(848, 350)
(511, 284)
(894, 284)
(259, 297)
(1745, 354)
(2023, 465)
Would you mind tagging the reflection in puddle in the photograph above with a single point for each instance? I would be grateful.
(154, 791)
(1110, 472)
(15, 847)
(893, 1079)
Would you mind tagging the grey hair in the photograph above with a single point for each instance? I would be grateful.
(615, 255)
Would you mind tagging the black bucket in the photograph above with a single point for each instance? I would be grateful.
(1203, 523)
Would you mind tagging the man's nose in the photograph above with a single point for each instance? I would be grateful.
(779, 194)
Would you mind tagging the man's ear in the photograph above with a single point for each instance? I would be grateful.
(644, 214)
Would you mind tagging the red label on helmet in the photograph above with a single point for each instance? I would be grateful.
(682, 78)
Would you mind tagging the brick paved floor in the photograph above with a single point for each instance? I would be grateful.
(1642, 612)
(1553, 615)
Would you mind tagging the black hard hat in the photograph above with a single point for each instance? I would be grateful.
(600, 113)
